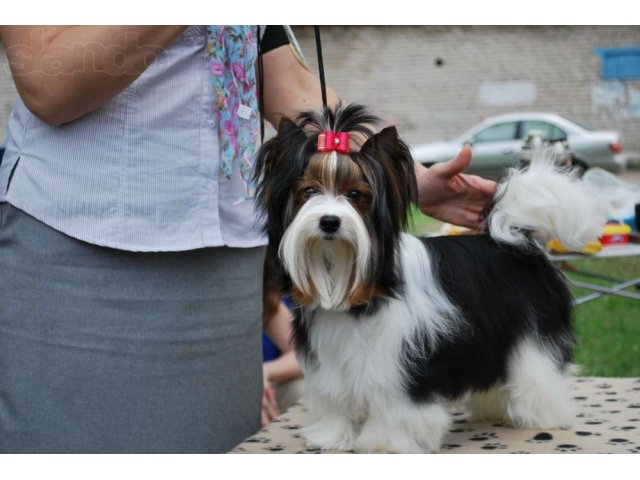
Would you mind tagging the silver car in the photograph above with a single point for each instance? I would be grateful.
(497, 143)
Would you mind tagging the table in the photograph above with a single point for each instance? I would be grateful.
(619, 285)
(607, 421)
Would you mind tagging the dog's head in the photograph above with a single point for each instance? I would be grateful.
(336, 217)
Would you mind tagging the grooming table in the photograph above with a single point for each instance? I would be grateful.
(607, 421)
(619, 285)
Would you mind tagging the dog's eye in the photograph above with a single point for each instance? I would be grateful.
(354, 195)
(309, 192)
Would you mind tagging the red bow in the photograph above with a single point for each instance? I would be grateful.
(330, 141)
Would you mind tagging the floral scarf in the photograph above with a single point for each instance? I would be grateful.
(232, 51)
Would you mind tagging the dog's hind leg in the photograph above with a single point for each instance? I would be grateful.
(538, 389)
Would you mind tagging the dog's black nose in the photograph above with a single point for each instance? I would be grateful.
(329, 223)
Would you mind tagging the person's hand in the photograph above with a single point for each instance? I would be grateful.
(270, 408)
(447, 194)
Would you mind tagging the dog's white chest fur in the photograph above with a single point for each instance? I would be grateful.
(360, 359)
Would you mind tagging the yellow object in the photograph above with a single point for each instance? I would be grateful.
(616, 229)
(590, 248)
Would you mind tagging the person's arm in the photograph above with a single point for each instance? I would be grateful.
(278, 328)
(447, 194)
(65, 72)
(289, 88)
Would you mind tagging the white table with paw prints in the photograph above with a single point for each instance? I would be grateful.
(607, 420)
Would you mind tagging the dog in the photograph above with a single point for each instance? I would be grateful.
(389, 328)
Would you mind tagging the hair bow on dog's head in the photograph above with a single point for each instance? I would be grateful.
(330, 141)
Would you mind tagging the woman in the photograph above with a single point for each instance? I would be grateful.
(130, 263)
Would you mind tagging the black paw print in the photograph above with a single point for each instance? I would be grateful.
(604, 386)
(541, 438)
(520, 452)
(634, 450)
(275, 448)
(480, 437)
(460, 430)
(450, 446)
(587, 434)
(633, 405)
(619, 441)
(258, 440)
(567, 447)
(493, 446)
(625, 428)
(292, 427)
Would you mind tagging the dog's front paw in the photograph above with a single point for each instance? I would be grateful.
(334, 434)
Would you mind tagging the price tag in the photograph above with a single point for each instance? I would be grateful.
(244, 112)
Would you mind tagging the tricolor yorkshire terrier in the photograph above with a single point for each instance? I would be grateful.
(389, 327)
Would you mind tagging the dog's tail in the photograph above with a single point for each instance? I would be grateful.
(545, 197)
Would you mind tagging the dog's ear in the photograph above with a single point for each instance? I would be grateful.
(286, 126)
(396, 159)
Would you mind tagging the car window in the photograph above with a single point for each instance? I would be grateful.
(497, 133)
(552, 132)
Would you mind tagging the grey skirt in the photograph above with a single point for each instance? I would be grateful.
(103, 350)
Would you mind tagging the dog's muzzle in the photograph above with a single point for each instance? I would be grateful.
(329, 223)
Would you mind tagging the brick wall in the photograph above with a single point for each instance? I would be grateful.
(7, 94)
(395, 71)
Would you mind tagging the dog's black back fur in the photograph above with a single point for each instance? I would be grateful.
(503, 294)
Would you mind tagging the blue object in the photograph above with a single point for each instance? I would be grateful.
(619, 63)
(269, 349)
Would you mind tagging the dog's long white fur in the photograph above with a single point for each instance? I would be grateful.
(330, 264)
(545, 197)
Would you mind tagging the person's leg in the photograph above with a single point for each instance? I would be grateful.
(109, 351)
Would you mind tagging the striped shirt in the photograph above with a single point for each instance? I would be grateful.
(141, 173)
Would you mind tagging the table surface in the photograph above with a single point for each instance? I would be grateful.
(609, 251)
(607, 421)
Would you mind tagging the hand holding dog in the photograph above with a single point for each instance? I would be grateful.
(452, 196)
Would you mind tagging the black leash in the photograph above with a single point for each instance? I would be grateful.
(323, 86)
(260, 86)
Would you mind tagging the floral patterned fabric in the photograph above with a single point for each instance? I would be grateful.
(232, 51)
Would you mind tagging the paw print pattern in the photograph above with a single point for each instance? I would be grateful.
(541, 437)
(459, 421)
(624, 428)
(450, 446)
(293, 426)
(480, 437)
(567, 447)
(274, 448)
(587, 434)
(619, 441)
(493, 446)
(258, 440)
